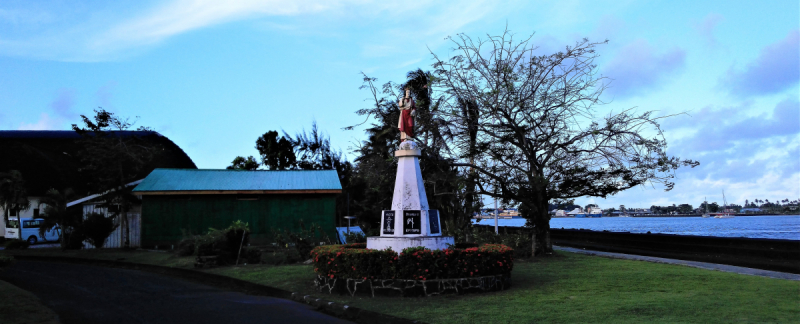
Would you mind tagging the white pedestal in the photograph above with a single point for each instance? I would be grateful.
(399, 243)
(410, 222)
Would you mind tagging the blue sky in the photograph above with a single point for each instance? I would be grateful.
(214, 75)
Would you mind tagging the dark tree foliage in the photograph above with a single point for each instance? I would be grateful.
(315, 153)
(376, 165)
(305, 151)
(711, 207)
(314, 150)
(685, 208)
(539, 136)
(242, 163)
(57, 215)
(97, 228)
(113, 161)
(276, 153)
(13, 195)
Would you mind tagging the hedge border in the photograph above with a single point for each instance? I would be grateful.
(483, 268)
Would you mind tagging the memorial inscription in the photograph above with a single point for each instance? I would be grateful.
(411, 222)
(433, 221)
(388, 222)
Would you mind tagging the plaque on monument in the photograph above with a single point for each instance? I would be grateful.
(411, 222)
(433, 221)
(388, 222)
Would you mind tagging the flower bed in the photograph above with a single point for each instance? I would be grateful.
(355, 264)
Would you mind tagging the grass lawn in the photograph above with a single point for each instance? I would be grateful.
(18, 306)
(566, 287)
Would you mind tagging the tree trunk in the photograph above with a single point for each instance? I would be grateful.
(125, 229)
(542, 229)
(540, 217)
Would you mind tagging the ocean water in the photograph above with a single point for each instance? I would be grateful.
(772, 227)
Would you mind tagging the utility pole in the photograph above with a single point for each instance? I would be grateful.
(495, 216)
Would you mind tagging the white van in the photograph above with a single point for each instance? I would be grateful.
(30, 230)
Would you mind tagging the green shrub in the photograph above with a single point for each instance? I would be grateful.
(304, 240)
(355, 237)
(355, 261)
(14, 244)
(250, 255)
(186, 246)
(225, 243)
(97, 228)
(74, 238)
(485, 260)
(520, 242)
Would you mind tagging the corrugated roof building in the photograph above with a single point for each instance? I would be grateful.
(185, 200)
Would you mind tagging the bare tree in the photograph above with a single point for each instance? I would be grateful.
(538, 135)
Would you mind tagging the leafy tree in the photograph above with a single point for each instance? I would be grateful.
(685, 208)
(13, 195)
(376, 165)
(713, 207)
(242, 163)
(539, 137)
(314, 150)
(276, 153)
(315, 153)
(113, 160)
(57, 215)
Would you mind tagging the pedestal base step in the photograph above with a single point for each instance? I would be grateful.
(399, 243)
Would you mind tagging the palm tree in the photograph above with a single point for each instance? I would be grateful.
(13, 195)
(56, 214)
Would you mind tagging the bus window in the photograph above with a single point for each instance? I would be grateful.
(31, 223)
(13, 223)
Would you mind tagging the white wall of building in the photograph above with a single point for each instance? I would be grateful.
(116, 239)
(29, 213)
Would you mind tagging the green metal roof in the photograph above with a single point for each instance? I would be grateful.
(163, 180)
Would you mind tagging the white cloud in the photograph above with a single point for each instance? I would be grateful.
(185, 15)
(107, 34)
(45, 122)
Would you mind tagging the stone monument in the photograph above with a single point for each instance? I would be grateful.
(410, 222)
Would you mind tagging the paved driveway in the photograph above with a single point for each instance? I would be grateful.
(89, 294)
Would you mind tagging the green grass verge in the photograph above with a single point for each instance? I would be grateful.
(566, 287)
(18, 306)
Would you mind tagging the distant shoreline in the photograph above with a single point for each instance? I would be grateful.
(638, 216)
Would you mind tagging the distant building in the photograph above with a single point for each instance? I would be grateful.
(178, 201)
(99, 204)
(750, 210)
(50, 159)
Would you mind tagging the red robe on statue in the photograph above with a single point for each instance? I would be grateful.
(406, 120)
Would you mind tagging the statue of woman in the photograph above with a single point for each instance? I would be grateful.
(407, 111)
